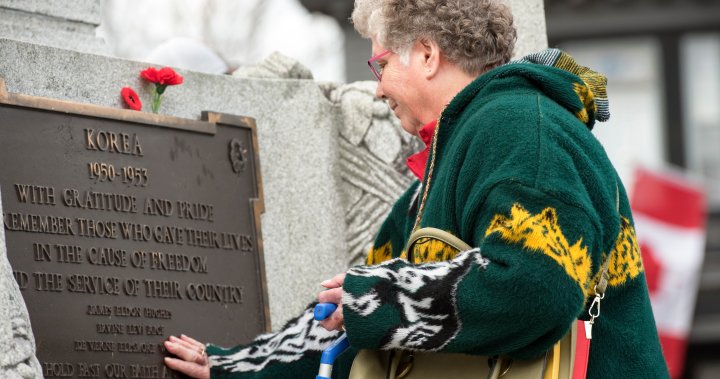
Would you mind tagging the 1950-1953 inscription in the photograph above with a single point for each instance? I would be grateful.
(123, 229)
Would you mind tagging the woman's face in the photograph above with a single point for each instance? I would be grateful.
(400, 86)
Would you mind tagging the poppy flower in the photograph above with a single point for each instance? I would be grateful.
(162, 78)
(131, 98)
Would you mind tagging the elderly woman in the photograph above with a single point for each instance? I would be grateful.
(512, 170)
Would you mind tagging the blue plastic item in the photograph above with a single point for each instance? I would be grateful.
(324, 310)
(321, 312)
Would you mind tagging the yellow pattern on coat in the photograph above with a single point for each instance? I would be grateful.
(626, 261)
(588, 101)
(380, 254)
(428, 250)
(542, 233)
(432, 250)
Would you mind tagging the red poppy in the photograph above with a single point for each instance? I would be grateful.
(131, 98)
(164, 76)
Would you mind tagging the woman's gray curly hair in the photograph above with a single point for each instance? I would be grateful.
(476, 35)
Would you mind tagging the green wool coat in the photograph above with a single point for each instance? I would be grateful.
(516, 173)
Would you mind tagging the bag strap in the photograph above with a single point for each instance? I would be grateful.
(437, 234)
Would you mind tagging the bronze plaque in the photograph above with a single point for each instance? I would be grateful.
(124, 228)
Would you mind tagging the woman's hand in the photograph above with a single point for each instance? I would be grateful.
(192, 359)
(333, 294)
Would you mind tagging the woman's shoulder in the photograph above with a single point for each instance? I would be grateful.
(496, 118)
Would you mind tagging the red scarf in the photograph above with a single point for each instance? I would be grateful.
(418, 161)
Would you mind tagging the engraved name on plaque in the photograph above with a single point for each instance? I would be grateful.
(125, 227)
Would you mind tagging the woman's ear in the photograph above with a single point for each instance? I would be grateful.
(430, 56)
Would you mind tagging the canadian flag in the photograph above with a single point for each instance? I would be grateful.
(669, 213)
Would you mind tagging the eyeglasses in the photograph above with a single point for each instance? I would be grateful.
(375, 66)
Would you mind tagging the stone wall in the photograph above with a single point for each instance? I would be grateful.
(64, 24)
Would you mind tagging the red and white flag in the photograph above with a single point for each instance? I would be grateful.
(669, 213)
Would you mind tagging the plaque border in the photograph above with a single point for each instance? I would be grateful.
(257, 204)
(206, 125)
